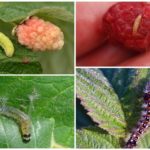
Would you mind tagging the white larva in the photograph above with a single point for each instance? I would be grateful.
(22, 119)
(7, 45)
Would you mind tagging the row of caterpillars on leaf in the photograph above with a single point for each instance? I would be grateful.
(143, 123)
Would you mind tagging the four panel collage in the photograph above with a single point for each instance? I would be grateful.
(79, 72)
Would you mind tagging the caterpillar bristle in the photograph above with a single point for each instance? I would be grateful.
(127, 137)
(139, 122)
(143, 113)
(134, 130)
(144, 105)
(131, 143)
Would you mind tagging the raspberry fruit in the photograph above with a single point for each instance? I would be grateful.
(129, 24)
(40, 35)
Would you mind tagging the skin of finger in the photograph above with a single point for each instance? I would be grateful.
(107, 55)
(89, 30)
(140, 60)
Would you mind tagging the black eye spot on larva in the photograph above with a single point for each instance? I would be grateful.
(26, 138)
(26, 135)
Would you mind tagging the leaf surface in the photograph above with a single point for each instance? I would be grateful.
(49, 103)
(100, 100)
(95, 138)
(60, 14)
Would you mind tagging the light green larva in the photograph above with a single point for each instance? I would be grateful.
(22, 119)
(7, 45)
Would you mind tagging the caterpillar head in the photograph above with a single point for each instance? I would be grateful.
(25, 129)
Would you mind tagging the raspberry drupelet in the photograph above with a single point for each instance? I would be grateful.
(129, 24)
(40, 35)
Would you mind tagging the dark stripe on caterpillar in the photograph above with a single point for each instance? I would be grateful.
(144, 121)
(22, 119)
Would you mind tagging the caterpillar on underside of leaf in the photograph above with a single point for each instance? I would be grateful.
(144, 121)
(22, 119)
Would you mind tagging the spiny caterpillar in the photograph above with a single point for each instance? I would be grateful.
(7, 45)
(22, 119)
(143, 123)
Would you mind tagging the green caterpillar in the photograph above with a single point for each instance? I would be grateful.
(7, 45)
(22, 119)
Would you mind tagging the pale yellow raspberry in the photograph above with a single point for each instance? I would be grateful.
(40, 35)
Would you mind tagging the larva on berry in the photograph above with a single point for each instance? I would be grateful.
(127, 23)
(136, 24)
(22, 119)
(7, 45)
(144, 121)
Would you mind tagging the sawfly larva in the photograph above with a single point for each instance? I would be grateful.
(22, 119)
(7, 45)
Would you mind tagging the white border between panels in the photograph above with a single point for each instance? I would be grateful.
(75, 146)
(37, 1)
(112, 67)
(110, 1)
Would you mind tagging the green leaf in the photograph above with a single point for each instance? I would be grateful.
(95, 138)
(18, 11)
(128, 85)
(119, 78)
(60, 14)
(11, 138)
(133, 97)
(20, 68)
(99, 99)
(144, 141)
(44, 99)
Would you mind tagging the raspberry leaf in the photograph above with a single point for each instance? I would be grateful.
(49, 103)
(128, 85)
(99, 99)
(94, 137)
(60, 14)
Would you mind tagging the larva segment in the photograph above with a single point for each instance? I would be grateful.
(7, 45)
(25, 128)
(143, 124)
(136, 24)
(22, 119)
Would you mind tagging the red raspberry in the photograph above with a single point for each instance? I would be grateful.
(129, 23)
